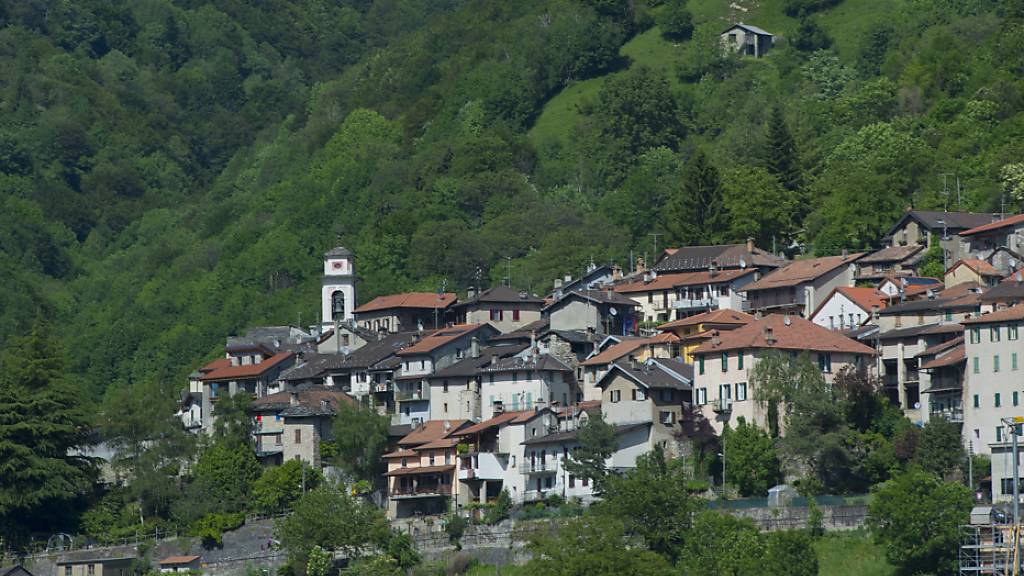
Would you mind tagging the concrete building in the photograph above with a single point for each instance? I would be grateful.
(849, 307)
(95, 566)
(421, 472)
(671, 296)
(942, 380)
(986, 239)
(972, 271)
(919, 227)
(723, 391)
(693, 331)
(525, 382)
(801, 286)
(993, 385)
(455, 390)
(604, 311)
(502, 307)
(253, 371)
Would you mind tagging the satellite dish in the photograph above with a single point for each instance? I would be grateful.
(917, 405)
(613, 311)
(743, 264)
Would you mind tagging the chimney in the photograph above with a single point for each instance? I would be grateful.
(608, 292)
(787, 320)
(716, 338)
(568, 278)
(533, 340)
(874, 312)
(474, 347)
(750, 245)
(758, 315)
(846, 253)
(769, 336)
(996, 217)
(713, 269)
(558, 284)
(470, 293)
(590, 333)
(633, 362)
(641, 266)
(616, 272)
(494, 359)
(293, 399)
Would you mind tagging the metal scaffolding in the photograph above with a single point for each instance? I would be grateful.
(989, 549)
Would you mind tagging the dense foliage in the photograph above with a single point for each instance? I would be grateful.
(172, 170)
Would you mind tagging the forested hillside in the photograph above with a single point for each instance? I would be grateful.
(172, 171)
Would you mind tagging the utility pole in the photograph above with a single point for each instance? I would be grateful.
(945, 190)
(655, 235)
(1012, 424)
(508, 279)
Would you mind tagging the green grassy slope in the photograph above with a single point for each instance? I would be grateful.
(846, 23)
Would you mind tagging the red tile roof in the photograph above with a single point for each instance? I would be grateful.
(498, 420)
(800, 271)
(615, 351)
(179, 559)
(667, 281)
(941, 346)
(954, 356)
(981, 267)
(1012, 314)
(429, 300)
(798, 334)
(216, 364)
(439, 338)
(723, 316)
(247, 370)
(401, 453)
(864, 298)
(420, 470)
(1011, 221)
(429, 431)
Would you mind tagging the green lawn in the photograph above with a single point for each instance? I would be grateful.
(492, 571)
(851, 554)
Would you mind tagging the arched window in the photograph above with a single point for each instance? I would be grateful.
(338, 305)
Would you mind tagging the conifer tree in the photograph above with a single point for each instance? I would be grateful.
(42, 420)
(696, 213)
(783, 160)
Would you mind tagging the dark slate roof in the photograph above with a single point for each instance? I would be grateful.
(598, 296)
(543, 362)
(655, 373)
(569, 435)
(723, 255)
(754, 29)
(1008, 289)
(502, 294)
(929, 219)
(524, 332)
(891, 254)
(337, 251)
(470, 366)
(921, 331)
(312, 401)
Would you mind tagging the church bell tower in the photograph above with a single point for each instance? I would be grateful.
(338, 292)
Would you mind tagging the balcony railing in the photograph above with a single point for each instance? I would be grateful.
(950, 414)
(692, 303)
(431, 490)
(382, 387)
(537, 467)
(409, 395)
(536, 495)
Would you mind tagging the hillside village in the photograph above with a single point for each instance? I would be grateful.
(487, 390)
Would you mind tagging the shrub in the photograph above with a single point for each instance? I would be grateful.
(210, 528)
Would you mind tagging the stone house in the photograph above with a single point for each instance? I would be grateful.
(421, 472)
(747, 40)
(918, 227)
(604, 311)
(657, 392)
(291, 425)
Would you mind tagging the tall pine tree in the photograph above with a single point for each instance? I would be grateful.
(783, 160)
(696, 214)
(42, 420)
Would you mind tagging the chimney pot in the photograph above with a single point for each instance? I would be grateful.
(474, 347)
(293, 399)
(750, 245)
